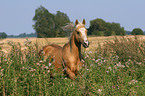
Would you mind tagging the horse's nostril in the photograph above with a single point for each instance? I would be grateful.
(87, 42)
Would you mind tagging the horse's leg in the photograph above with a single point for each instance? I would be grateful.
(70, 73)
(78, 67)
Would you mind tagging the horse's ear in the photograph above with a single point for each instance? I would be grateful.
(84, 22)
(77, 22)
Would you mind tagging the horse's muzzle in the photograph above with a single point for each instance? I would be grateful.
(86, 44)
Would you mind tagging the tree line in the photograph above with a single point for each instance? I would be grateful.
(51, 25)
(22, 35)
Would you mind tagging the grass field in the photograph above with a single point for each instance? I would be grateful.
(113, 66)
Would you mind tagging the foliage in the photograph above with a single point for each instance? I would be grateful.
(25, 73)
(99, 27)
(126, 48)
(48, 24)
(3, 35)
(137, 31)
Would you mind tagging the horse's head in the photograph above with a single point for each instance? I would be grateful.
(81, 33)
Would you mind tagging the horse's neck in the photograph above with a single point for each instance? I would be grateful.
(75, 47)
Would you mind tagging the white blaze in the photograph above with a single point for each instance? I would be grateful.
(83, 31)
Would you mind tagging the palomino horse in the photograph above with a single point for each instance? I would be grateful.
(69, 57)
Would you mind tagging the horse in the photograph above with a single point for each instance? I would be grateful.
(71, 52)
(69, 56)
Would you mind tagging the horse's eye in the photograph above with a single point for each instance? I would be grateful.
(78, 32)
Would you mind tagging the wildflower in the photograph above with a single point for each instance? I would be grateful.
(50, 64)
(109, 68)
(119, 65)
(32, 70)
(2, 70)
(132, 81)
(48, 71)
(107, 71)
(87, 56)
(40, 61)
(139, 63)
(115, 87)
(38, 64)
(46, 67)
(99, 91)
(104, 60)
(90, 52)
(118, 87)
(82, 60)
(97, 60)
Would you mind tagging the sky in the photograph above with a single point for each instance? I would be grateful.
(16, 15)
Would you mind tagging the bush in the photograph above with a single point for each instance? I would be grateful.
(126, 48)
(3, 35)
(137, 31)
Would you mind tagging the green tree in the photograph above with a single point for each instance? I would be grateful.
(137, 31)
(3, 35)
(115, 27)
(99, 27)
(48, 24)
(44, 23)
(96, 26)
(61, 19)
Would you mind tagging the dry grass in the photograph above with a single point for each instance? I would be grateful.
(60, 41)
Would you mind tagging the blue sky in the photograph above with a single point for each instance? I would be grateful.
(16, 15)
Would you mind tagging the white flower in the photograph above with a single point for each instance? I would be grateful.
(50, 64)
(48, 71)
(99, 91)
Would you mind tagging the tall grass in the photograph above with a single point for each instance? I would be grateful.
(107, 71)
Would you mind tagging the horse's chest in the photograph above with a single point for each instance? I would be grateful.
(71, 60)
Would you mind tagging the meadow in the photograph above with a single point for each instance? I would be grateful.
(112, 66)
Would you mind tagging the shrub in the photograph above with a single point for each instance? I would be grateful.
(126, 48)
(137, 31)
